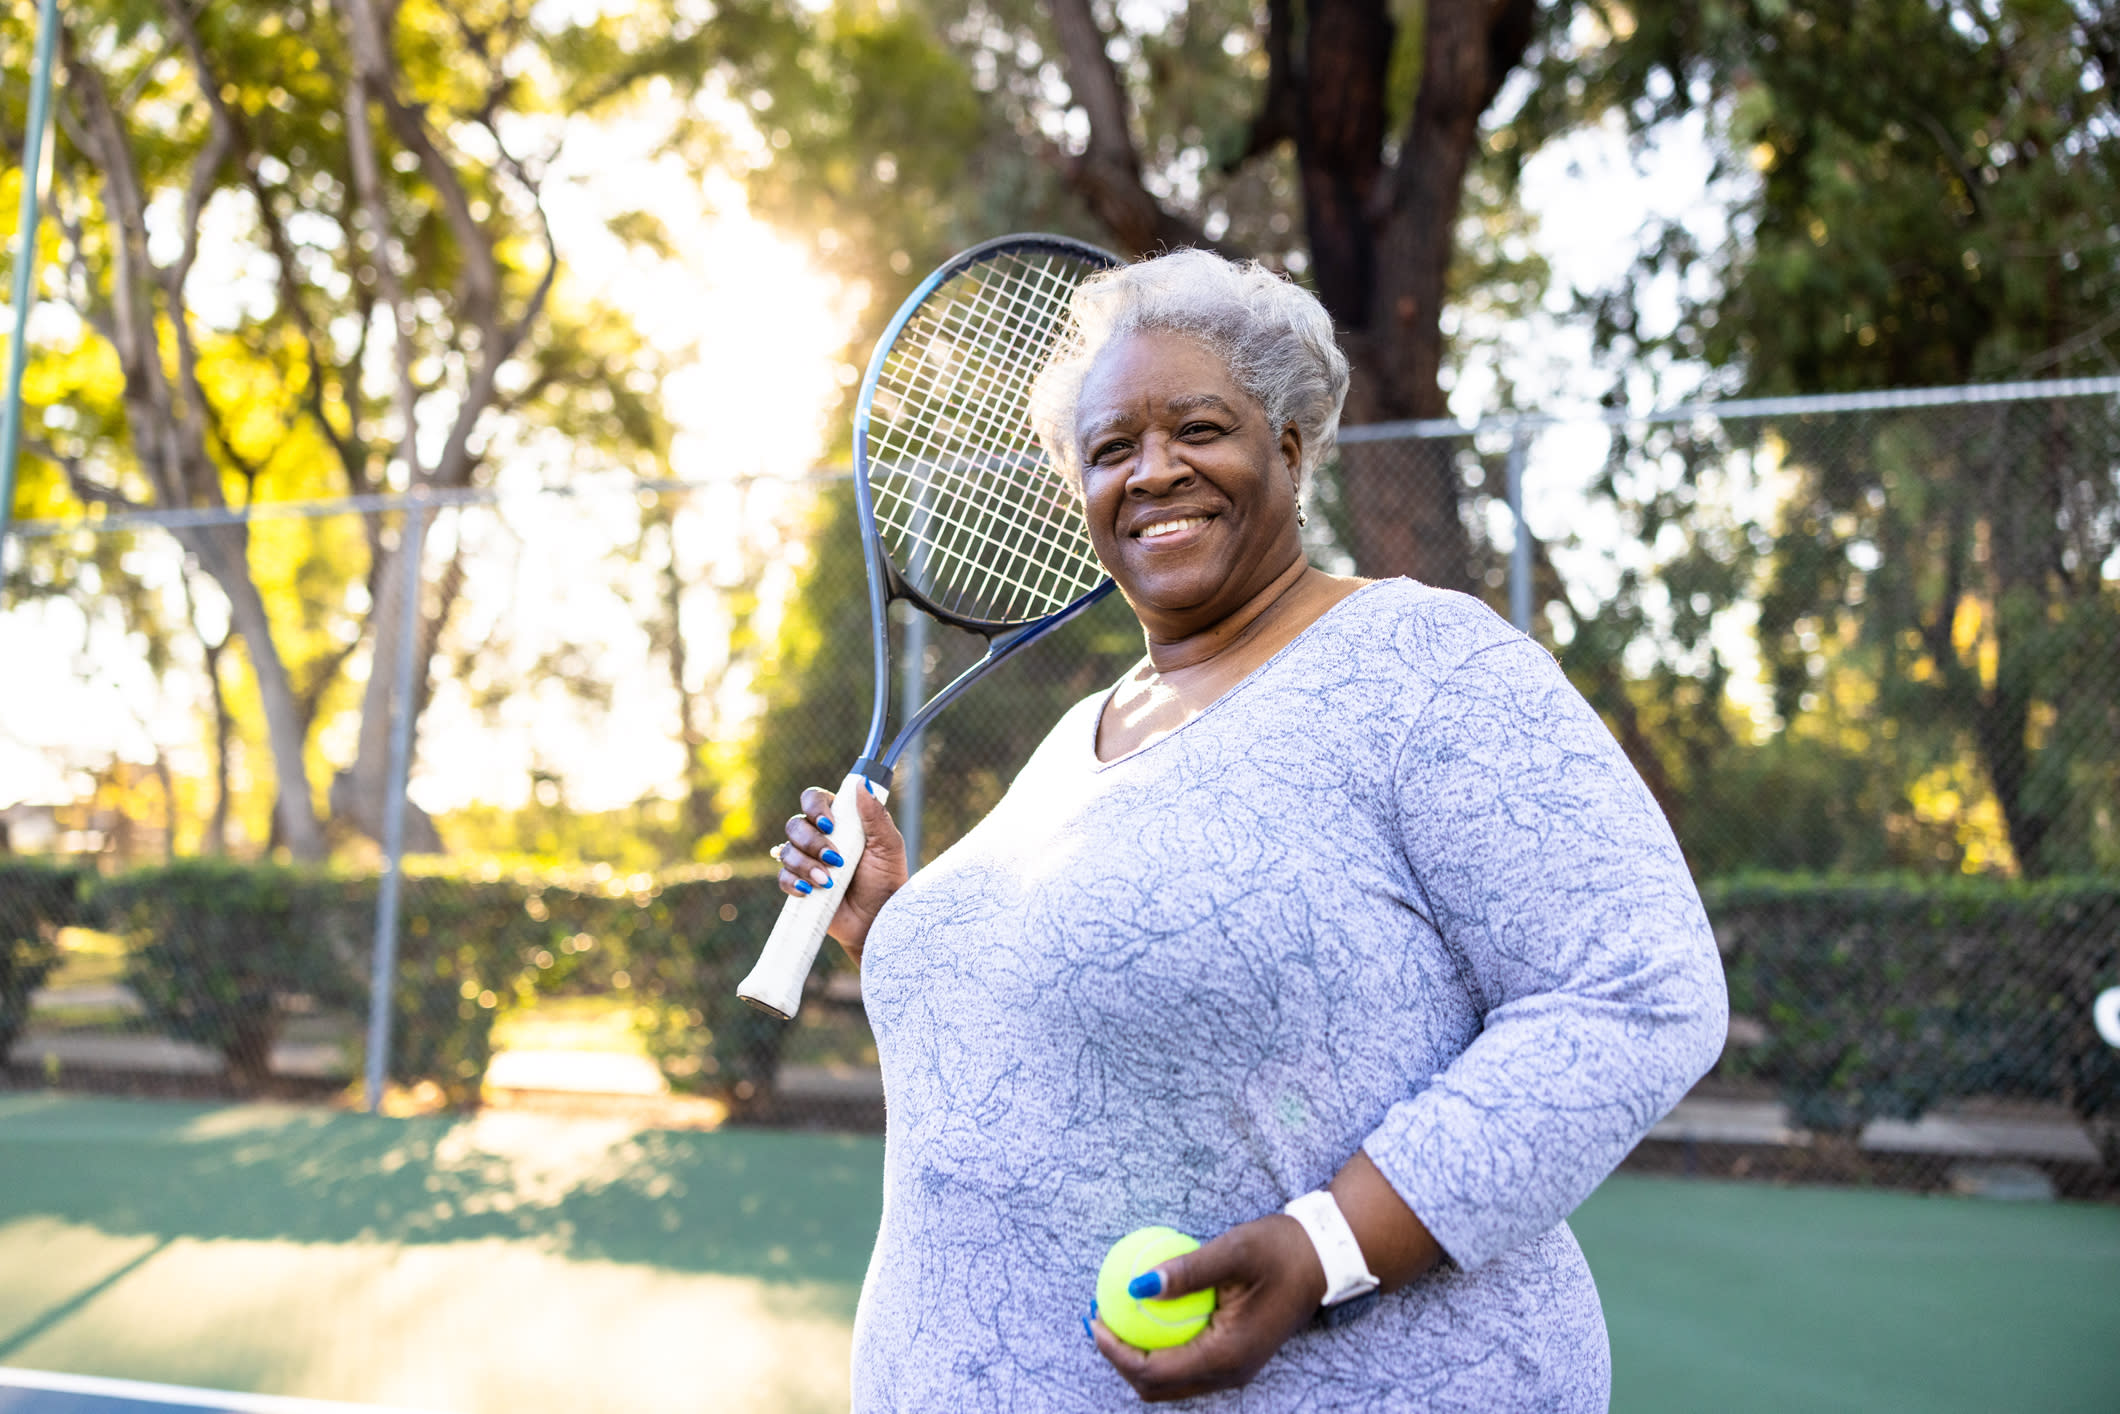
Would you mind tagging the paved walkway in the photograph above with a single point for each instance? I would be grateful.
(1944, 1133)
(160, 1055)
(2050, 1136)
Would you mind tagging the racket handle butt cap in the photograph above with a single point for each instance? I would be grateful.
(775, 984)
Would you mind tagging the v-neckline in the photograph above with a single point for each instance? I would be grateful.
(1096, 721)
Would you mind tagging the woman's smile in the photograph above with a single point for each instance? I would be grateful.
(1173, 533)
(1164, 529)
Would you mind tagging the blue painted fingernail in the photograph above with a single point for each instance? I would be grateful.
(1145, 1285)
(1093, 1306)
(824, 823)
(831, 857)
(802, 886)
(828, 881)
(1088, 1332)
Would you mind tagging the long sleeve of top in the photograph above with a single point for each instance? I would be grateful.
(1553, 881)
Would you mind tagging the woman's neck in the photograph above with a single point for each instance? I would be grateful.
(1233, 639)
(1186, 673)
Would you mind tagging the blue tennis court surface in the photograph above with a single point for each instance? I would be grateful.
(40, 1392)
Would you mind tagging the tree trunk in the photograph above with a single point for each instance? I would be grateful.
(486, 337)
(700, 816)
(167, 420)
(167, 779)
(1999, 726)
(1339, 136)
(1380, 259)
(222, 551)
(216, 838)
(2027, 514)
(360, 793)
(214, 841)
(1406, 502)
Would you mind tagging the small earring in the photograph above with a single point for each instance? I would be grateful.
(1302, 518)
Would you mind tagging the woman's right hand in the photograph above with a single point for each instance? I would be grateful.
(878, 874)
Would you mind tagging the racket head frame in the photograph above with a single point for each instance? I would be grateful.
(885, 583)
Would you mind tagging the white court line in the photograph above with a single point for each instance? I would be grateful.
(145, 1393)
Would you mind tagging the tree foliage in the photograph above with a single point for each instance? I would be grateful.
(1339, 141)
(1934, 599)
(306, 251)
(1930, 196)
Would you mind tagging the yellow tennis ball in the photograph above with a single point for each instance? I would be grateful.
(1149, 1325)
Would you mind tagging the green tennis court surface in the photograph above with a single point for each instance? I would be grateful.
(520, 1262)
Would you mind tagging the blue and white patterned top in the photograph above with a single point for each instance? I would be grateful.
(1398, 890)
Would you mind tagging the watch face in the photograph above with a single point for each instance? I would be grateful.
(1346, 1312)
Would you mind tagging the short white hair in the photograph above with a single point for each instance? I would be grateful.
(1273, 334)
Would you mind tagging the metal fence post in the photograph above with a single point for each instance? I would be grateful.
(33, 145)
(912, 688)
(1520, 552)
(383, 984)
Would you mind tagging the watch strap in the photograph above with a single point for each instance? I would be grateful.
(1347, 1273)
(1346, 1313)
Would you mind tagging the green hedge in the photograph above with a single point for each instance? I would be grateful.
(1879, 997)
(687, 943)
(37, 898)
(217, 953)
(467, 950)
(676, 945)
(221, 953)
(1882, 998)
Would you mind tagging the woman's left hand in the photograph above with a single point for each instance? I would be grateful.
(1268, 1283)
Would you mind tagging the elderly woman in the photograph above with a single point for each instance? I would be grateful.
(1338, 933)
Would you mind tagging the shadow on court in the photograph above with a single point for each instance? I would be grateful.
(506, 1262)
(772, 1205)
(523, 1263)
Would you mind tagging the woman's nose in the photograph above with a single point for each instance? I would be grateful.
(1158, 470)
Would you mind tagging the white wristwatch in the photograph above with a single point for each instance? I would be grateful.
(1347, 1274)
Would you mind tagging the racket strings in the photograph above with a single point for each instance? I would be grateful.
(1023, 366)
(984, 398)
(970, 509)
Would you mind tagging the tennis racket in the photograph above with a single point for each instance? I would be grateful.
(962, 514)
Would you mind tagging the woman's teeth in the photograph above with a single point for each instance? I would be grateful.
(1171, 527)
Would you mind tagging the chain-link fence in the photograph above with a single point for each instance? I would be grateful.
(1865, 652)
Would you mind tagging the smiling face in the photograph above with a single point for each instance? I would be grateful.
(1189, 492)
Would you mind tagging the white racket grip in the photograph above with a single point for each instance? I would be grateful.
(775, 984)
